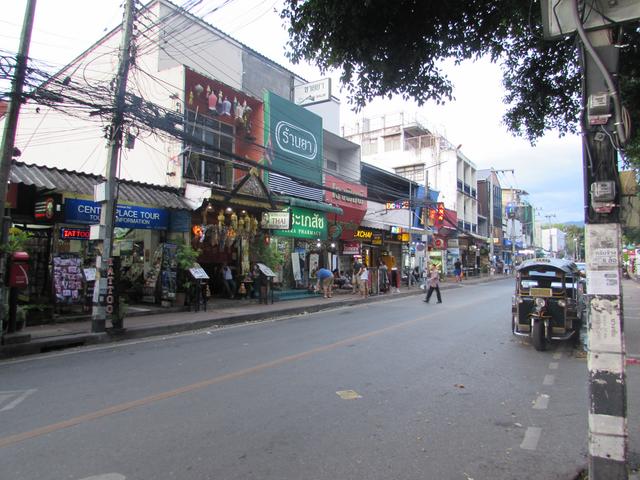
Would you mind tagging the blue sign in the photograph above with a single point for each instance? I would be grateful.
(127, 216)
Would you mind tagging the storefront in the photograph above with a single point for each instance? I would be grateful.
(344, 229)
(302, 247)
(63, 257)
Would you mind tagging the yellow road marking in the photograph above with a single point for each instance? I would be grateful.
(123, 407)
(348, 394)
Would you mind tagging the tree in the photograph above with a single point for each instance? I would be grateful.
(386, 48)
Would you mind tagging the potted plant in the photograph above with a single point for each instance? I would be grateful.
(186, 257)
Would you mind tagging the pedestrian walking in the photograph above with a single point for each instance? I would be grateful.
(434, 283)
(457, 270)
(364, 281)
(357, 272)
(383, 274)
(325, 281)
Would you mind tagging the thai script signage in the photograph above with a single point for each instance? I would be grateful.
(348, 194)
(276, 220)
(127, 216)
(306, 224)
(293, 137)
(312, 92)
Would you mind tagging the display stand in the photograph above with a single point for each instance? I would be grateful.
(169, 273)
(149, 290)
(200, 287)
(265, 282)
(67, 280)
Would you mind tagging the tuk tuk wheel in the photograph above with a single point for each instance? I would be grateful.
(537, 336)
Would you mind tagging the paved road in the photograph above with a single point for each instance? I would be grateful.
(391, 390)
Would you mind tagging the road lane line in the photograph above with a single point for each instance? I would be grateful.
(553, 366)
(549, 380)
(531, 438)
(17, 400)
(542, 402)
(123, 407)
(557, 355)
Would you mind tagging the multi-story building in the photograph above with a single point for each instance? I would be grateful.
(403, 144)
(553, 241)
(518, 226)
(490, 211)
(210, 118)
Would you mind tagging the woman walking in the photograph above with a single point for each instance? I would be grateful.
(434, 283)
(364, 281)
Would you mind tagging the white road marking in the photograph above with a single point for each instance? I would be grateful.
(531, 438)
(542, 402)
(557, 355)
(21, 395)
(106, 476)
(553, 366)
(549, 380)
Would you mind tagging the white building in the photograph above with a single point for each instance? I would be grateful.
(170, 44)
(403, 144)
(553, 240)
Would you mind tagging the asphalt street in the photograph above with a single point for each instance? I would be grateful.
(395, 389)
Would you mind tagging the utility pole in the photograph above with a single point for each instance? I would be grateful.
(608, 435)
(491, 227)
(9, 138)
(105, 301)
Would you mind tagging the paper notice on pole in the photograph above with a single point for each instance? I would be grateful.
(603, 282)
(604, 258)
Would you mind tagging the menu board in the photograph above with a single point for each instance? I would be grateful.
(67, 279)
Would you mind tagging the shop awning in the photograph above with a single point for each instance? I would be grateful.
(310, 204)
(61, 180)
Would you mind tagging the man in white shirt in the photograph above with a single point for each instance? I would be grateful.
(227, 278)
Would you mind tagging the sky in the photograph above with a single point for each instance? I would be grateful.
(550, 171)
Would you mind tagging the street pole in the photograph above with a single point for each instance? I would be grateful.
(491, 218)
(9, 138)
(608, 435)
(105, 300)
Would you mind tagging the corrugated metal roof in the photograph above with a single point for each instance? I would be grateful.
(82, 183)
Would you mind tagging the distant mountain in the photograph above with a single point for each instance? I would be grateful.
(578, 223)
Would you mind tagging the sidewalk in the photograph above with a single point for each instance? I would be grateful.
(219, 312)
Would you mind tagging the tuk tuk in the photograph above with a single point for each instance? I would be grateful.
(546, 305)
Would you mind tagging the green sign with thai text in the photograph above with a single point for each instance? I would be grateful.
(293, 139)
(305, 224)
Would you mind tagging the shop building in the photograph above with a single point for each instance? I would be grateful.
(56, 208)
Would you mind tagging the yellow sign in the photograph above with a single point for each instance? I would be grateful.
(365, 234)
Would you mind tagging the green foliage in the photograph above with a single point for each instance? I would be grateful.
(269, 255)
(385, 48)
(631, 235)
(186, 256)
(17, 240)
